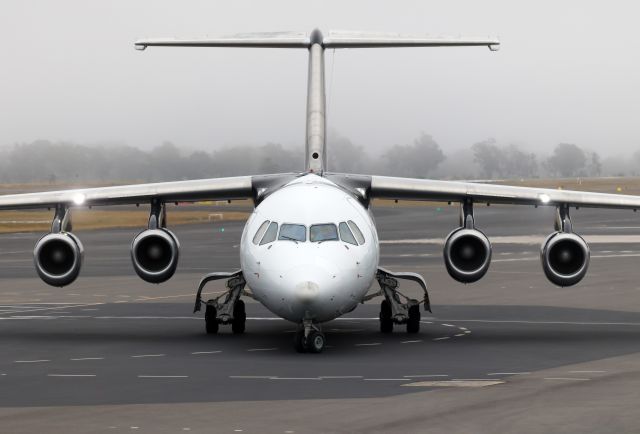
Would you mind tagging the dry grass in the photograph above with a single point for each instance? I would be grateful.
(40, 221)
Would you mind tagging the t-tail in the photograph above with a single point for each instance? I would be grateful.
(316, 43)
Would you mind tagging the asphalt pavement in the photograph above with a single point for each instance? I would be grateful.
(511, 353)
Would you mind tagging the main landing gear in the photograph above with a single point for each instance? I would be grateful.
(231, 310)
(309, 338)
(397, 308)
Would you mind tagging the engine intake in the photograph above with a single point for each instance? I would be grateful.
(154, 253)
(565, 258)
(58, 258)
(467, 254)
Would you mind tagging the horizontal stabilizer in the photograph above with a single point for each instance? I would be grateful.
(333, 40)
(254, 40)
(382, 40)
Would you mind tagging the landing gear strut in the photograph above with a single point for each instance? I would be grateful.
(397, 308)
(231, 310)
(309, 338)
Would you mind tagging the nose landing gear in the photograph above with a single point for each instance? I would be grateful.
(309, 338)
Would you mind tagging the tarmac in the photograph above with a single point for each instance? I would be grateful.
(510, 353)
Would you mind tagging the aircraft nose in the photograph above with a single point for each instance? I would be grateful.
(309, 282)
(307, 291)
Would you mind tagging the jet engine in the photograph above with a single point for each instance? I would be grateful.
(154, 253)
(565, 258)
(58, 258)
(467, 254)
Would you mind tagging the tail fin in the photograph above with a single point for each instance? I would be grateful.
(316, 43)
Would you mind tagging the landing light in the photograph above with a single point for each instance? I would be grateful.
(544, 198)
(79, 199)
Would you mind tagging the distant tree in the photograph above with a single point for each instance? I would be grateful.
(518, 163)
(594, 168)
(568, 160)
(415, 160)
(489, 157)
(344, 156)
(276, 159)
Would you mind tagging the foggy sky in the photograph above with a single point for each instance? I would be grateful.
(567, 72)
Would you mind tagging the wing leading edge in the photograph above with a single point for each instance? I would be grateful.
(220, 188)
(386, 187)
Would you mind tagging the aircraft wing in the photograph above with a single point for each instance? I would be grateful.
(386, 187)
(241, 187)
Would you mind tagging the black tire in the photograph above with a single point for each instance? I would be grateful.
(298, 341)
(315, 342)
(413, 323)
(239, 318)
(386, 320)
(211, 320)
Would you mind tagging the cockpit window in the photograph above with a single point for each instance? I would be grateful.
(356, 231)
(270, 234)
(292, 232)
(346, 235)
(260, 231)
(324, 232)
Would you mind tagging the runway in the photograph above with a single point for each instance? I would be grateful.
(112, 353)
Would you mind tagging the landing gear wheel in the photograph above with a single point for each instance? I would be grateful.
(299, 341)
(239, 318)
(211, 320)
(386, 320)
(315, 342)
(413, 322)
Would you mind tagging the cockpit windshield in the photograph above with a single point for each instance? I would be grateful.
(293, 232)
(323, 232)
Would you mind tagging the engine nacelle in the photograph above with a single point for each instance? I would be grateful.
(467, 254)
(565, 258)
(154, 253)
(58, 258)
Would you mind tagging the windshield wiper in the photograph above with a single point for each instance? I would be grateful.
(284, 237)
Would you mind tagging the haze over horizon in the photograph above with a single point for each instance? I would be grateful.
(566, 72)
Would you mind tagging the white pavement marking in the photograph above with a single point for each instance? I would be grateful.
(338, 377)
(64, 306)
(459, 334)
(148, 317)
(527, 239)
(205, 352)
(455, 383)
(163, 376)
(509, 373)
(147, 355)
(587, 372)
(567, 378)
(488, 321)
(31, 361)
(386, 379)
(296, 378)
(448, 325)
(425, 375)
(441, 339)
(71, 375)
(262, 349)
(411, 342)
(87, 358)
(373, 344)
(251, 377)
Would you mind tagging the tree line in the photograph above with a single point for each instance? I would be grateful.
(63, 162)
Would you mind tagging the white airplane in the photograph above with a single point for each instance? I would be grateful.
(310, 252)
